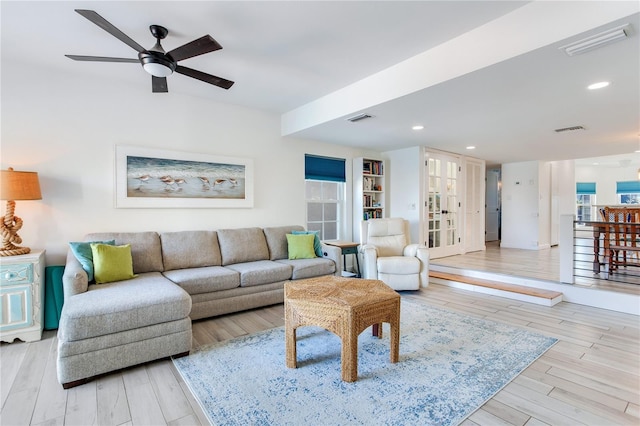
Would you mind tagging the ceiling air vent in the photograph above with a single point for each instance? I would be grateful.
(569, 129)
(359, 117)
(598, 40)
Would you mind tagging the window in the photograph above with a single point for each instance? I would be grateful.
(324, 194)
(585, 199)
(628, 192)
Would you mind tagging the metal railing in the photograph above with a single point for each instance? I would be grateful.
(593, 260)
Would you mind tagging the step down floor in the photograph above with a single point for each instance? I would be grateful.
(512, 291)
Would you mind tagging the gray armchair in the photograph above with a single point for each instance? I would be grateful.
(389, 256)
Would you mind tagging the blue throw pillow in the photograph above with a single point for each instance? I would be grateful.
(317, 247)
(82, 252)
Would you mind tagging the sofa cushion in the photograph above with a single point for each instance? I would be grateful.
(301, 246)
(190, 249)
(277, 240)
(204, 280)
(317, 246)
(242, 245)
(261, 272)
(82, 252)
(139, 302)
(112, 263)
(398, 265)
(146, 251)
(308, 268)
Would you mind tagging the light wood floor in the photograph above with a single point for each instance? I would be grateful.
(538, 264)
(592, 376)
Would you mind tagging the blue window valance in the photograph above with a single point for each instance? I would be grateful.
(324, 168)
(586, 188)
(628, 187)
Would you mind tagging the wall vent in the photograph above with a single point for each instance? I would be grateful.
(569, 129)
(359, 117)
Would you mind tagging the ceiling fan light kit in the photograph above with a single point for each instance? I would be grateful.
(156, 61)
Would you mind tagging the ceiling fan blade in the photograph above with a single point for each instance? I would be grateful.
(159, 84)
(204, 44)
(108, 27)
(101, 59)
(207, 78)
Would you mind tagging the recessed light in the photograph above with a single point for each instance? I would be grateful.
(598, 85)
(418, 127)
(471, 147)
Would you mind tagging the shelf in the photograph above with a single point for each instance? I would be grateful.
(368, 192)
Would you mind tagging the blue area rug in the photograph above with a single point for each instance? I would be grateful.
(450, 364)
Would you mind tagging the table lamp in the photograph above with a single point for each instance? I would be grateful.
(15, 186)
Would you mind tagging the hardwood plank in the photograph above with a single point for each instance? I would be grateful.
(18, 407)
(533, 409)
(506, 413)
(512, 288)
(52, 398)
(195, 406)
(11, 356)
(190, 420)
(143, 404)
(112, 400)
(482, 417)
(575, 400)
(569, 386)
(82, 406)
(170, 396)
(604, 387)
(577, 414)
(31, 370)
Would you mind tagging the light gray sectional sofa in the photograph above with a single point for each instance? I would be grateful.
(180, 276)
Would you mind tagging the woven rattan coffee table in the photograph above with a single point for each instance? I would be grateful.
(344, 306)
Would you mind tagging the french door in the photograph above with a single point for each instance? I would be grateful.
(441, 217)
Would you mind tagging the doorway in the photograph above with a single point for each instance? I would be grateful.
(442, 207)
(492, 206)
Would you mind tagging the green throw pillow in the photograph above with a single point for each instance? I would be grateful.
(317, 247)
(112, 263)
(300, 246)
(82, 252)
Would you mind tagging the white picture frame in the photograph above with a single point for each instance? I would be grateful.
(153, 178)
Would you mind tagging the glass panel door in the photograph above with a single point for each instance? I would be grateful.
(442, 208)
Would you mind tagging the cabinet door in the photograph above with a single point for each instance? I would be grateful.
(15, 307)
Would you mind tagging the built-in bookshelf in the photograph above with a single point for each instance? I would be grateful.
(368, 191)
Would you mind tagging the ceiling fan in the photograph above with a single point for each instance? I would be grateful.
(156, 61)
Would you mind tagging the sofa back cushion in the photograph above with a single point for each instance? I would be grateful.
(388, 235)
(190, 249)
(242, 245)
(146, 251)
(277, 240)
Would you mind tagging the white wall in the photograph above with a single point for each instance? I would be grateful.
(66, 130)
(404, 169)
(520, 205)
(544, 205)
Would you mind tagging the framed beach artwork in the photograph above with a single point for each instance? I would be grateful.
(151, 178)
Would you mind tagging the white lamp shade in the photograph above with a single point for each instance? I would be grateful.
(157, 70)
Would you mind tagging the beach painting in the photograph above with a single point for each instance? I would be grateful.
(149, 178)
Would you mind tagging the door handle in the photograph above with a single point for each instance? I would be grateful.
(444, 211)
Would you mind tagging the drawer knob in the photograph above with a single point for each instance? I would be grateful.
(9, 275)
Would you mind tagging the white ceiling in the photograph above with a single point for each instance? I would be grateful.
(291, 55)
